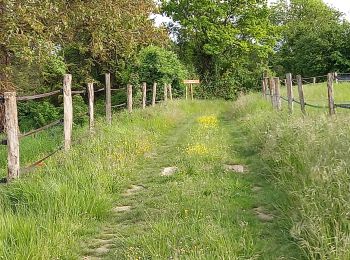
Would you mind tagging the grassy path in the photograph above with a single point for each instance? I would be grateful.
(203, 211)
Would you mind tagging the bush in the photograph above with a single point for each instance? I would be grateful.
(80, 110)
(35, 114)
(156, 64)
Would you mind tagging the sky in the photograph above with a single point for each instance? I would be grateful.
(342, 5)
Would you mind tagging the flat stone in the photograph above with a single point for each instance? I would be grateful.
(169, 171)
(103, 250)
(100, 242)
(91, 258)
(121, 209)
(134, 189)
(256, 189)
(263, 215)
(235, 168)
(151, 155)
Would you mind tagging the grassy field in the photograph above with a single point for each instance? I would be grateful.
(296, 173)
(307, 157)
(202, 212)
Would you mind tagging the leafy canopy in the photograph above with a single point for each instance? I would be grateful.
(159, 65)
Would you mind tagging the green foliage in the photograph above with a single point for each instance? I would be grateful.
(80, 109)
(53, 71)
(33, 114)
(47, 214)
(307, 158)
(228, 42)
(159, 65)
(314, 38)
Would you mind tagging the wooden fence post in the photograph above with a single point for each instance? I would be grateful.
(336, 77)
(290, 92)
(278, 102)
(186, 92)
(129, 90)
(108, 99)
(68, 110)
(170, 91)
(165, 92)
(272, 91)
(154, 94)
(191, 90)
(330, 94)
(11, 128)
(144, 94)
(301, 94)
(264, 88)
(91, 96)
(314, 80)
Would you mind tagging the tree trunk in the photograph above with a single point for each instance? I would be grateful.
(4, 82)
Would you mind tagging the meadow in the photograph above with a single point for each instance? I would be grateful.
(307, 157)
(297, 170)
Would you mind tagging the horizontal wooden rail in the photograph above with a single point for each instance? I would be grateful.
(38, 96)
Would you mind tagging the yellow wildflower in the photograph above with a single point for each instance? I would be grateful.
(208, 121)
(197, 149)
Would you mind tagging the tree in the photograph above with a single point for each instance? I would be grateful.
(159, 65)
(227, 41)
(314, 38)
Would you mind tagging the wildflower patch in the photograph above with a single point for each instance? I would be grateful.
(208, 121)
(197, 149)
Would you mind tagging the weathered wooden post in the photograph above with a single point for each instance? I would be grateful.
(314, 80)
(336, 77)
(191, 90)
(290, 92)
(170, 88)
(301, 94)
(186, 92)
(165, 92)
(129, 90)
(91, 96)
(68, 110)
(108, 98)
(154, 94)
(267, 87)
(331, 104)
(11, 128)
(278, 102)
(272, 91)
(144, 94)
(263, 88)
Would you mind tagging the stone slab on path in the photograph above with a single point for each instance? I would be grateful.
(237, 168)
(133, 189)
(121, 209)
(169, 171)
(263, 215)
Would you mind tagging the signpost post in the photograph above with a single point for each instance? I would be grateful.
(191, 82)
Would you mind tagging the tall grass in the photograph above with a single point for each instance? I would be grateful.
(44, 215)
(308, 158)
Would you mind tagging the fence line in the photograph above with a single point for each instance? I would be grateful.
(12, 127)
(269, 89)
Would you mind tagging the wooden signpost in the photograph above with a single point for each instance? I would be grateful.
(191, 82)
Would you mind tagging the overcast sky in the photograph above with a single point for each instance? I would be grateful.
(342, 5)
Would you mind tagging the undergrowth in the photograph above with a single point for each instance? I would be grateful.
(308, 158)
(46, 214)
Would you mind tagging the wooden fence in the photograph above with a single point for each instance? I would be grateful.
(13, 135)
(271, 90)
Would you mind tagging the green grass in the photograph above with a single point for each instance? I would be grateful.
(307, 157)
(44, 215)
(202, 212)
